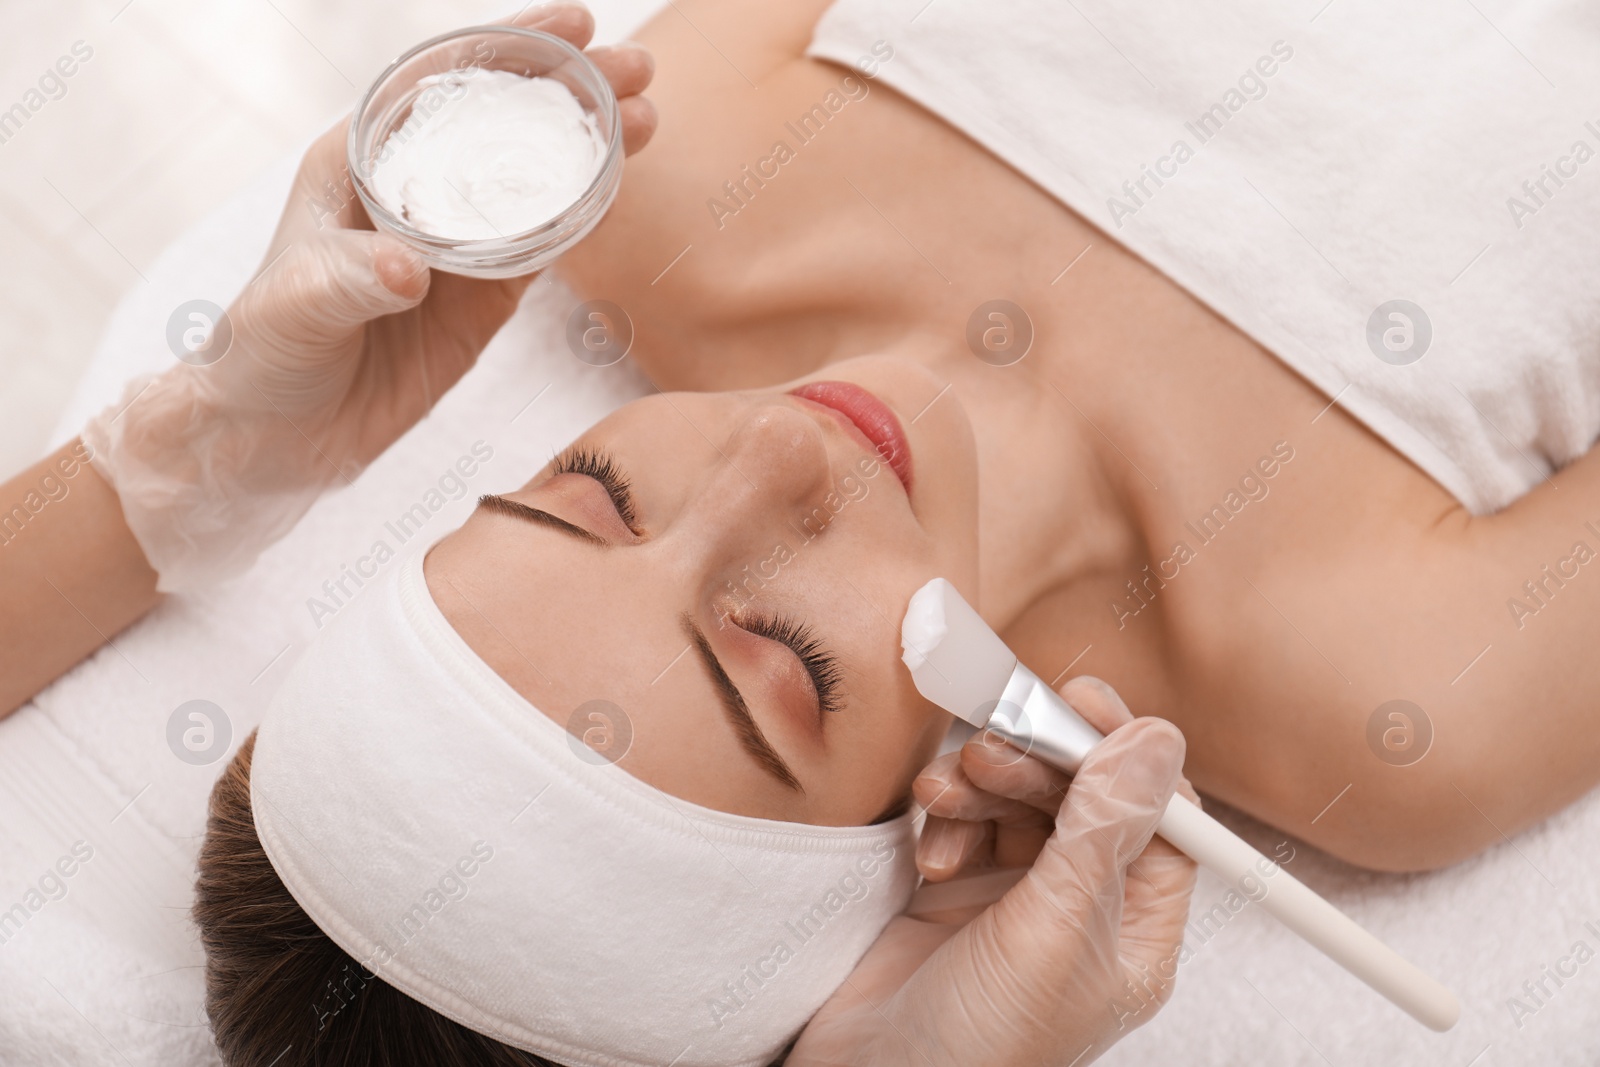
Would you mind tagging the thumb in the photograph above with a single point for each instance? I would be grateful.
(320, 290)
(1111, 811)
(1072, 897)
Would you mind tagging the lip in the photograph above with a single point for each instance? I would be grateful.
(866, 417)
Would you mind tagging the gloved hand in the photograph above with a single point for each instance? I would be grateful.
(1075, 954)
(339, 345)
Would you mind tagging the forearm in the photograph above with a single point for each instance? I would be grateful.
(72, 574)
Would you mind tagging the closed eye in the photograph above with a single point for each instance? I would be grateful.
(738, 711)
(603, 468)
(827, 676)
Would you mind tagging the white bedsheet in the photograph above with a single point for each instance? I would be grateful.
(110, 973)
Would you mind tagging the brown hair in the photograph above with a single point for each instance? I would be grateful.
(279, 992)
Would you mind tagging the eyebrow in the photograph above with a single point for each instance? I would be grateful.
(517, 509)
(733, 702)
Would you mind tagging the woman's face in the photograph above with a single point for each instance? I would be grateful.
(730, 571)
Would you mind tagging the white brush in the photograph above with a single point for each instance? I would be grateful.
(960, 664)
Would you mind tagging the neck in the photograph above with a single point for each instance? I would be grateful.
(1053, 508)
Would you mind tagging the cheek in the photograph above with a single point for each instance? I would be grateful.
(950, 552)
(940, 539)
(892, 720)
(875, 758)
(958, 558)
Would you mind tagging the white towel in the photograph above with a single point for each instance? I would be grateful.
(394, 785)
(1301, 166)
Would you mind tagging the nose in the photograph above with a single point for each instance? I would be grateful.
(774, 477)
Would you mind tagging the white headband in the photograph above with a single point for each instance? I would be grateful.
(443, 831)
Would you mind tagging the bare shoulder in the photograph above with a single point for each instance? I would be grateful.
(767, 231)
(1291, 581)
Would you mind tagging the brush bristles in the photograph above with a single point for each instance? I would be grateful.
(955, 659)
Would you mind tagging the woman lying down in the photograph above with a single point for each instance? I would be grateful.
(621, 771)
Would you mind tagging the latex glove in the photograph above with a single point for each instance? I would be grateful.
(342, 341)
(1075, 954)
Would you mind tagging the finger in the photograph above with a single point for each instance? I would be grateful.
(1104, 709)
(997, 767)
(628, 66)
(945, 790)
(1110, 815)
(1187, 789)
(1004, 770)
(948, 845)
(969, 827)
(323, 288)
(572, 22)
(1097, 702)
(935, 778)
(639, 118)
(1154, 910)
(1155, 877)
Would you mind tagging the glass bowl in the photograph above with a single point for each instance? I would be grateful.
(398, 91)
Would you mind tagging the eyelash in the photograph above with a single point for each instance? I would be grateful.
(826, 673)
(602, 468)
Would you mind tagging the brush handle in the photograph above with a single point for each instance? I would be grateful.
(1325, 927)
(1034, 718)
